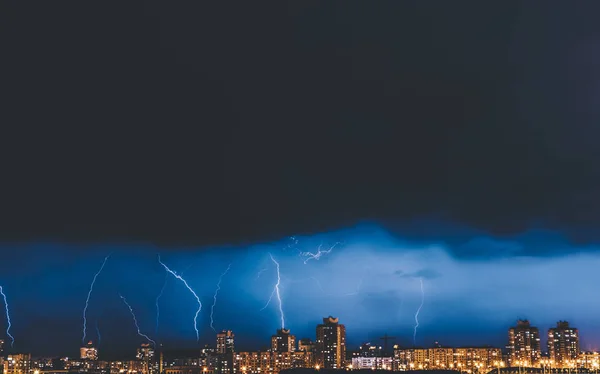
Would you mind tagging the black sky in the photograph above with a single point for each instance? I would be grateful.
(215, 123)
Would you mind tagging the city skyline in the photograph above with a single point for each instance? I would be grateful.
(329, 351)
(383, 296)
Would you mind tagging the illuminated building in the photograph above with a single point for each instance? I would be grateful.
(89, 352)
(589, 360)
(563, 344)
(524, 344)
(477, 358)
(371, 362)
(146, 355)
(440, 358)
(225, 352)
(306, 345)
(225, 341)
(283, 341)
(370, 356)
(271, 362)
(184, 370)
(17, 364)
(467, 360)
(331, 344)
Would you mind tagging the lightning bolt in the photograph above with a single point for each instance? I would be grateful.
(193, 293)
(98, 333)
(316, 256)
(12, 339)
(276, 292)
(136, 322)
(212, 308)
(418, 311)
(87, 301)
(162, 290)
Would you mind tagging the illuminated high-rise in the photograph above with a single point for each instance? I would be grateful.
(331, 344)
(283, 341)
(145, 353)
(225, 352)
(88, 352)
(563, 344)
(225, 342)
(524, 344)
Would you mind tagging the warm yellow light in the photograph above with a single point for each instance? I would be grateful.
(317, 367)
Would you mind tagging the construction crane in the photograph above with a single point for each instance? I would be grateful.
(385, 339)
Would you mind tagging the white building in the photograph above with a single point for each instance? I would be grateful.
(384, 363)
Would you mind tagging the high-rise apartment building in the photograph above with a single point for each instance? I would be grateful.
(89, 352)
(145, 353)
(563, 344)
(331, 344)
(225, 353)
(283, 341)
(225, 342)
(524, 344)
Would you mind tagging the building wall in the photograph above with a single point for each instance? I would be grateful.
(524, 344)
(331, 344)
(372, 363)
(463, 359)
(271, 362)
(563, 344)
(283, 341)
(17, 364)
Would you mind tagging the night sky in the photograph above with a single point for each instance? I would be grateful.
(449, 142)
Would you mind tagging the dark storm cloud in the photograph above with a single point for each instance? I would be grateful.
(489, 247)
(192, 124)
